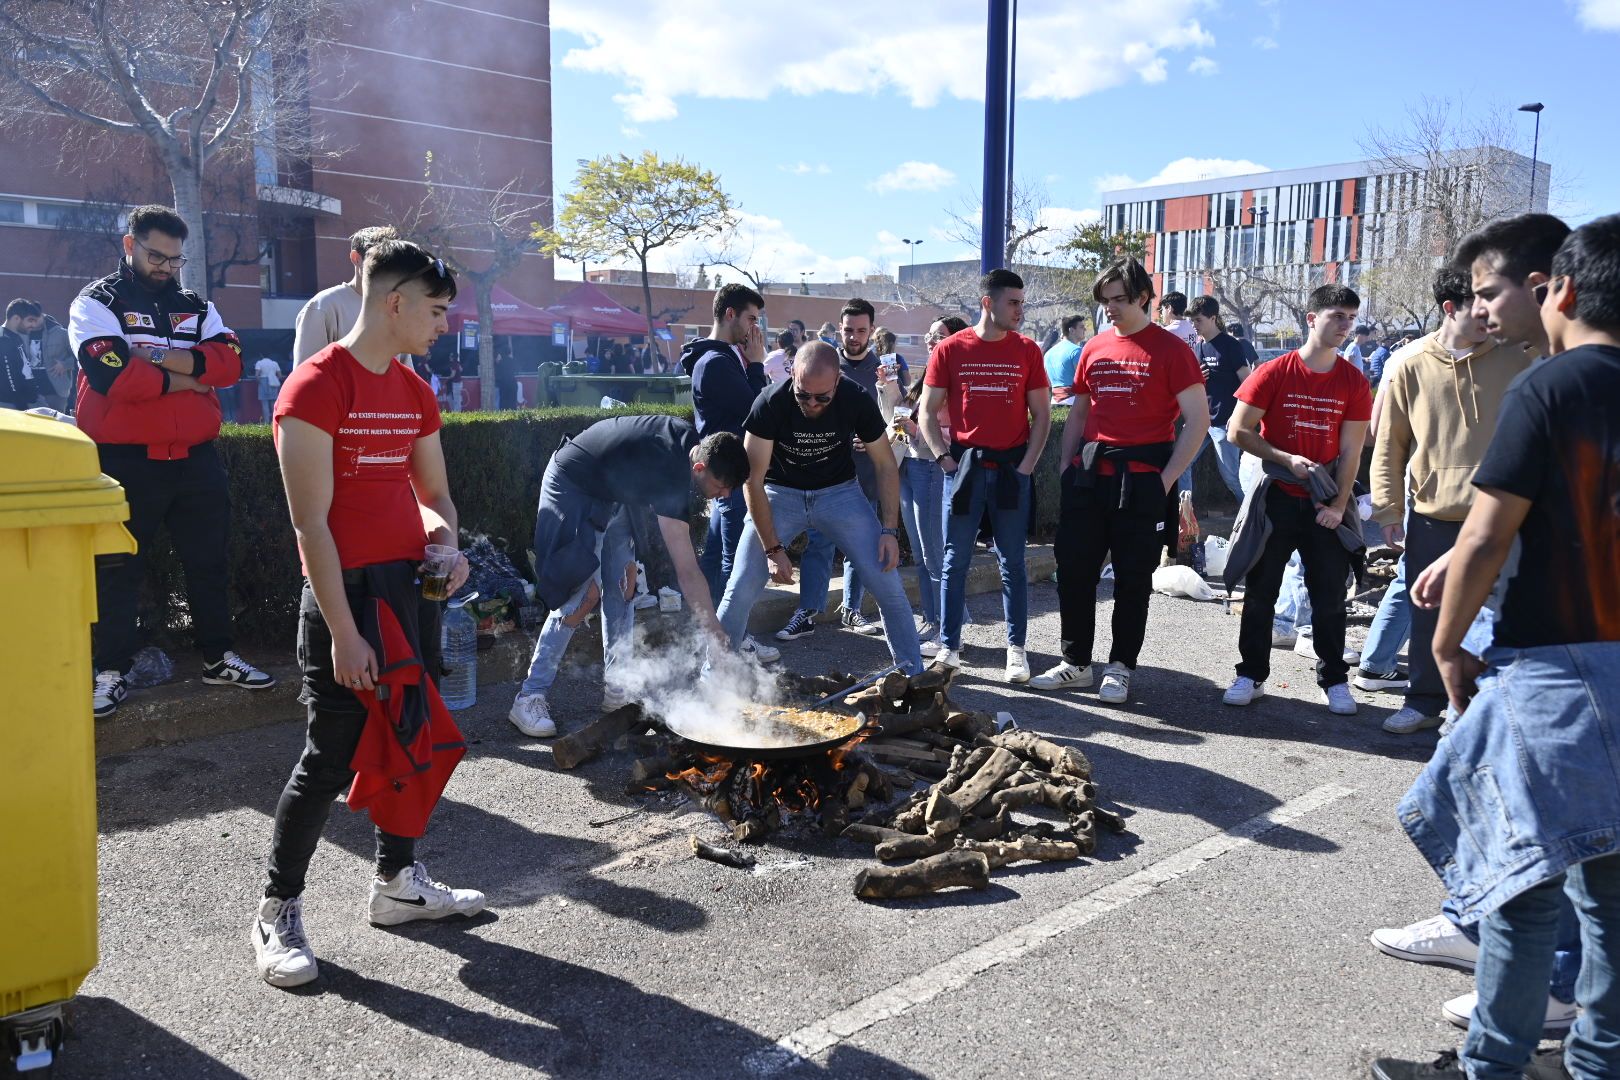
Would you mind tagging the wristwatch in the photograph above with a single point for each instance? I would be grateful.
(772, 550)
(156, 354)
(889, 532)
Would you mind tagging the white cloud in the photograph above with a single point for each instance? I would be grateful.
(1203, 65)
(1266, 41)
(913, 176)
(1181, 171)
(1065, 51)
(1598, 14)
(804, 168)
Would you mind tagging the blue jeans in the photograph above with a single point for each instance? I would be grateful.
(1391, 626)
(815, 571)
(1516, 947)
(1227, 456)
(845, 519)
(615, 547)
(719, 549)
(922, 490)
(1010, 526)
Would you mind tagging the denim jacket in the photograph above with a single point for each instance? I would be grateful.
(1527, 782)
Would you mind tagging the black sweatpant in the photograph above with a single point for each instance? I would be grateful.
(1326, 564)
(336, 719)
(191, 498)
(1090, 525)
(1427, 539)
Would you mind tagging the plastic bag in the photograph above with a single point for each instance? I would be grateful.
(610, 402)
(1215, 552)
(150, 667)
(1181, 581)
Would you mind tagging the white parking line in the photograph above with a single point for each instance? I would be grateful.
(961, 969)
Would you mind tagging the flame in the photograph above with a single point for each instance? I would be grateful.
(710, 772)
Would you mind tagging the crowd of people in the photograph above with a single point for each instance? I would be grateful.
(1495, 472)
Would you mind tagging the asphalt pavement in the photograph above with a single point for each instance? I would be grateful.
(1224, 936)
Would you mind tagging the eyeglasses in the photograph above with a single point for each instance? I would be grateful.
(158, 260)
(819, 399)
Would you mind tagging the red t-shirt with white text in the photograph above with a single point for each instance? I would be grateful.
(374, 421)
(1133, 381)
(1304, 409)
(987, 385)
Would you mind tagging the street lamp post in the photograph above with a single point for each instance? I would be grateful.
(804, 281)
(1535, 147)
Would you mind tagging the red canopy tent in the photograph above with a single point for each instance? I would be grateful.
(589, 310)
(512, 316)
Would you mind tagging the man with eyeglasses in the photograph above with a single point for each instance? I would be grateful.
(799, 437)
(151, 356)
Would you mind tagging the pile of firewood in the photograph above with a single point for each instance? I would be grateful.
(962, 826)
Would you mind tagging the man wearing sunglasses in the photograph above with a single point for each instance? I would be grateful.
(151, 356)
(799, 437)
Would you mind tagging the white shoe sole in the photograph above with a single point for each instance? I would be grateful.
(1411, 729)
(1250, 700)
(212, 681)
(1378, 686)
(1017, 678)
(531, 734)
(281, 979)
(398, 914)
(1435, 959)
(1114, 697)
(1552, 1027)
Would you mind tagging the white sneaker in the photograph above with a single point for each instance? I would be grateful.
(930, 646)
(232, 670)
(532, 715)
(1432, 941)
(1064, 676)
(613, 699)
(1116, 684)
(1305, 645)
(1017, 665)
(111, 690)
(1407, 720)
(951, 658)
(1339, 701)
(283, 952)
(411, 895)
(765, 654)
(1243, 690)
(1460, 1010)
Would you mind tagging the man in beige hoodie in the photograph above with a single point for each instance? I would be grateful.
(1439, 407)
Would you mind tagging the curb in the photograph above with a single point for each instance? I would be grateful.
(189, 709)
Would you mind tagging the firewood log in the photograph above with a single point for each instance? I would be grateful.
(1108, 819)
(913, 847)
(855, 794)
(648, 769)
(1031, 747)
(930, 875)
(751, 831)
(996, 768)
(869, 702)
(901, 723)
(969, 725)
(572, 751)
(941, 815)
(871, 834)
(725, 856)
(931, 680)
(985, 828)
(1013, 798)
(1028, 848)
(894, 685)
(970, 763)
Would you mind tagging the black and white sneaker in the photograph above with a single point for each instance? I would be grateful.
(1380, 680)
(854, 620)
(411, 895)
(284, 955)
(232, 670)
(803, 624)
(111, 690)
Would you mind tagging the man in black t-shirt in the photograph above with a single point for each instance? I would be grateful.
(1225, 366)
(1522, 804)
(802, 476)
(583, 547)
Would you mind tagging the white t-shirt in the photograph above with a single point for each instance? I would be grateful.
(1186, 331)
(268, 372)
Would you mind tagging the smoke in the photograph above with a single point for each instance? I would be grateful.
(697, 688)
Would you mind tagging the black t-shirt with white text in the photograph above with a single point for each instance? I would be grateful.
(1221, 357)
(634, 461)
(814, 454)
(1557, 444)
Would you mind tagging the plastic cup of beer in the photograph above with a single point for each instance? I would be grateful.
(437, 563)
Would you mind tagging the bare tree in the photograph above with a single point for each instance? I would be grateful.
(482, 235)
(192, 79)
(740, 251)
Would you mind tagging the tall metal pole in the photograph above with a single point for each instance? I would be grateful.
(1012, 120)
(993, 226)
(1535, 148)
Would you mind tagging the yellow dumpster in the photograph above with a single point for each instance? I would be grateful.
(57, 512)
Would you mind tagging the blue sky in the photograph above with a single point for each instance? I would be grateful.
(840, 128)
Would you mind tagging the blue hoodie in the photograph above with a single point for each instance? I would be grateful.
(722, 391)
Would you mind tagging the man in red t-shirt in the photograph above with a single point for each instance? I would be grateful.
(358, 437)
(1311, 408)
(1121, 458)
(991, 380)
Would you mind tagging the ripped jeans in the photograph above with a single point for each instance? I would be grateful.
(615, 549)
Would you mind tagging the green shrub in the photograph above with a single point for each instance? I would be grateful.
(495, 461)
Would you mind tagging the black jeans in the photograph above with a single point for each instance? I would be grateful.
(191, 497)
(1326, 564)
(1090, 526)
(336, 719)
(1427, 539)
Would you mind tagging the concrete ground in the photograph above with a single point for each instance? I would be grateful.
(1225, 935)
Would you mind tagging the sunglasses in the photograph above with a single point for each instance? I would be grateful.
(436, 266)
(1539, 292)
(158, 260)
(819, 399)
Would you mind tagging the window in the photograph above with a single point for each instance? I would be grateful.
(11, 211)
(56, 215)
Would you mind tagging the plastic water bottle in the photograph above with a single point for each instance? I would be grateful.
(458, 640)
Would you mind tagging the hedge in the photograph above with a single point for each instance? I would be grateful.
(495, 461)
